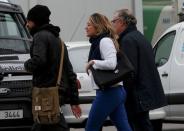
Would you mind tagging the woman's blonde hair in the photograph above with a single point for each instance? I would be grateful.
(103, 25)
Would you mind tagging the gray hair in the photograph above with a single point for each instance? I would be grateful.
(127, 16)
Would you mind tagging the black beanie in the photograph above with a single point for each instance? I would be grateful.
(39, 14)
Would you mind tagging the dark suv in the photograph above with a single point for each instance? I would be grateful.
(15, 83)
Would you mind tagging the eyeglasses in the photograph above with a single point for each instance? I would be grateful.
(113, 21)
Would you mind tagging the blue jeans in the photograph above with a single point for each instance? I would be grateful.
(108, 102)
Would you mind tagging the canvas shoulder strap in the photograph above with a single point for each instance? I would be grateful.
(61, 63)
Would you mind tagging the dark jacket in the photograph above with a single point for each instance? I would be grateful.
(146, 92)
(45, 61)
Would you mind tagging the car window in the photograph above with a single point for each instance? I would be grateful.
(163, 48)
(8, 25)
(13, 36)
(79, 57)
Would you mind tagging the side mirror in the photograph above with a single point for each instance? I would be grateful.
(161, 61)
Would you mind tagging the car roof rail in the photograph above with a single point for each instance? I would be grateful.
(10, 7)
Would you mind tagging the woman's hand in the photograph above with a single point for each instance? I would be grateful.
(76, 111)
(89, 64)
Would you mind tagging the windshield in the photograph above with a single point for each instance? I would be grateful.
(13, 36)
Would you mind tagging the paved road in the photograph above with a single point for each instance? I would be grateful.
(166, 127)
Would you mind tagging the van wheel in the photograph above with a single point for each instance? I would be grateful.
(157, 124)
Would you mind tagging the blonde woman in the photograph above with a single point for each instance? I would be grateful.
(102, 55)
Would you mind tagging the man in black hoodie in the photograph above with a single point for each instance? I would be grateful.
(45, 61)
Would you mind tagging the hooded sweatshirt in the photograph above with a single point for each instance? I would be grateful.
(45, 61)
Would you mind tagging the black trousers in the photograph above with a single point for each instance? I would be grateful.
(61, 126)
(140, 122)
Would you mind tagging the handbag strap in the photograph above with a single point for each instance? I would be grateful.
(61, 63)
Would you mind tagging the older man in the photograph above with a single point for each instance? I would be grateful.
(144, 89)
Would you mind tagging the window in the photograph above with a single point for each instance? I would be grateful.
(13, 36)
(163, 48)
(8, 25)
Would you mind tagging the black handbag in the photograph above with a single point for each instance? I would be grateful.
(107, 78)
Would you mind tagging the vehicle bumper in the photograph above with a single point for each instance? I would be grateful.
(85, 104)
(16, 104)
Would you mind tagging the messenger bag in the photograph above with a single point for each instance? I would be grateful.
(45, 100)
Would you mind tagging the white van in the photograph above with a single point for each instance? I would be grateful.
(169, 58)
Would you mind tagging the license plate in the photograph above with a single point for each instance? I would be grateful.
(11, 114)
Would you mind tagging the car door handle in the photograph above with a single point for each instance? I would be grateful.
(165, 74)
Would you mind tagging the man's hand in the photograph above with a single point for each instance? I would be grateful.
(76, 111)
